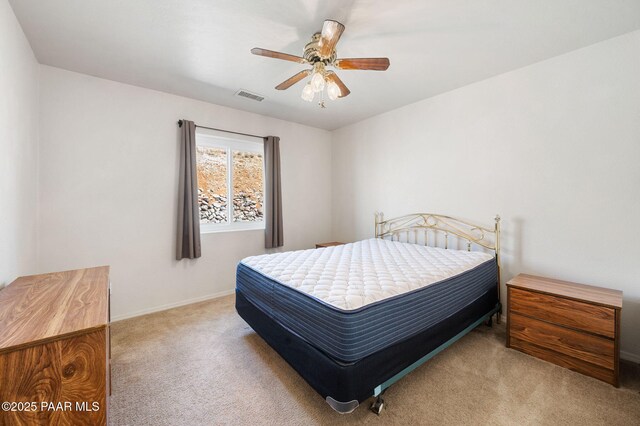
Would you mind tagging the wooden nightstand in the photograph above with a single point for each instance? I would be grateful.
(572, 325)
(332, 243)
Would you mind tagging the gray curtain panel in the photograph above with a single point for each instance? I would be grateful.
(188, 211)
(273, 195)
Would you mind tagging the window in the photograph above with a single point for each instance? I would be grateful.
(230, 181)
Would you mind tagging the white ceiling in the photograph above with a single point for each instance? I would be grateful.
(200, 48)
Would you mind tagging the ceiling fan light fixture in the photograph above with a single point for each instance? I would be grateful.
(317, 82)
(333, 91)
(307, 92)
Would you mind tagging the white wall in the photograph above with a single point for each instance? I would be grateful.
(553, 147)
(109, 185)
(18, 149)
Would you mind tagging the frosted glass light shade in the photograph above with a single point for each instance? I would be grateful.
(317, 82)
(333, 91)
(307, 92)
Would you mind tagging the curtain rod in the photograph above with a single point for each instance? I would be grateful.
(226, 131)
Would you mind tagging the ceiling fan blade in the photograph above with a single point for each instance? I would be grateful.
(344, 91)
(376, 64)
(331, 32)
(278, 55)
(293, 80)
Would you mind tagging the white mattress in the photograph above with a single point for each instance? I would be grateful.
(352, 276)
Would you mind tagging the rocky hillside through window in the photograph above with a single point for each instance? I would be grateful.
(247, 182)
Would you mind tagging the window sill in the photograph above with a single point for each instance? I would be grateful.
(231, 229)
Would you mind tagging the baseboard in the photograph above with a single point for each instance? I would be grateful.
(172, 305)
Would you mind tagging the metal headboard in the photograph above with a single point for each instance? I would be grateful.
(417, 223)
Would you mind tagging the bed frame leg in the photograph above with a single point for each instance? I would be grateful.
(489, 322)
(378, 405)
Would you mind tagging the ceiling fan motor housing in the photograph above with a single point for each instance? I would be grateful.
(312, 52)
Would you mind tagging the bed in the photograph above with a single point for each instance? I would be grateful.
(354, 319)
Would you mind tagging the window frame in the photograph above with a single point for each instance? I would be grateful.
(215, 139)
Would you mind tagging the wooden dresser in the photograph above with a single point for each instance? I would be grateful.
(54, 349)
(572, 325)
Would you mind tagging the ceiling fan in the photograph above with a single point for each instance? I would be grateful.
(320, 53)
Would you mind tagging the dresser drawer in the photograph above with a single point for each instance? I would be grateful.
(567, 312)
(600, 373)
(595, 350)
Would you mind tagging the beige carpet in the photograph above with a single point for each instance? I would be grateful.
(202, 365)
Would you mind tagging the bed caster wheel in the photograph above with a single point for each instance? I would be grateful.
(489, 322)
(377, 405)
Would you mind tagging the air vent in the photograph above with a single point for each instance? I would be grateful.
(249, 95)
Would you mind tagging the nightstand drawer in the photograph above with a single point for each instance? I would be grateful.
(567, 312)
(595, 350)
(565, 361)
